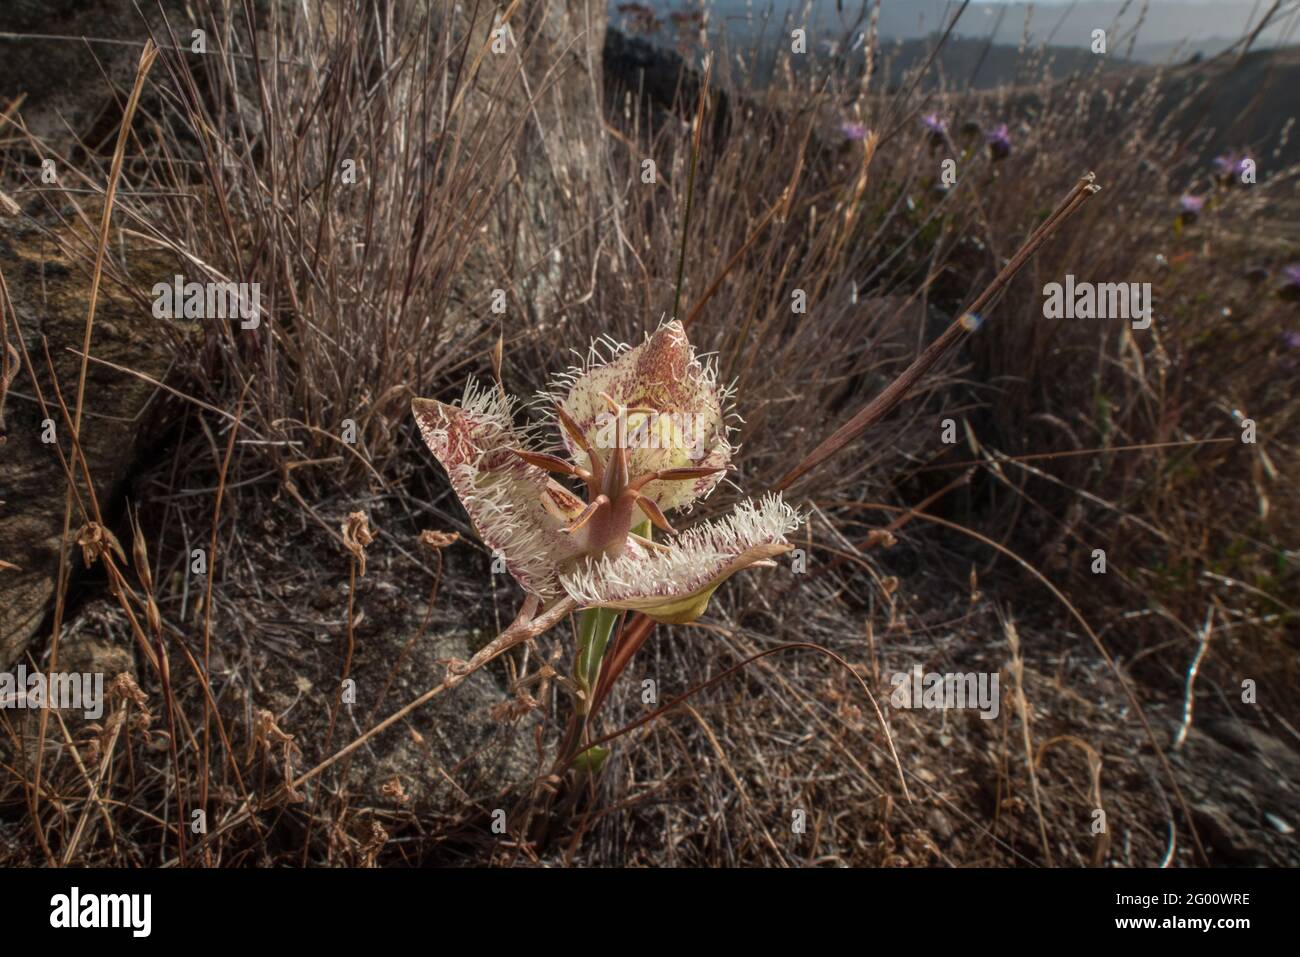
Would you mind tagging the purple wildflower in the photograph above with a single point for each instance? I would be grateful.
(999, 141)
(853, 131)
(1292, 340)
(1232, 166)
(1189, 207)
(937, 126)
(1290, 290)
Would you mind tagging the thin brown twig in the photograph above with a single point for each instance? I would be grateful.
(897, 390)
(147, 57)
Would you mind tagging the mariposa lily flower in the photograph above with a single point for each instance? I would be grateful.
(645, 431)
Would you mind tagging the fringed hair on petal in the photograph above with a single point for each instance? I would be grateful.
(689, 563)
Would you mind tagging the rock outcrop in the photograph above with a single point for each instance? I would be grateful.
(49, 286)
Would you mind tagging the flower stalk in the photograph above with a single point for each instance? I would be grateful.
(595, 625)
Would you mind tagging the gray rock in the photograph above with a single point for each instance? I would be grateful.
(50, 291)
(62, 76)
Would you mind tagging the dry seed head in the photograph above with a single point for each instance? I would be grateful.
(356, 536)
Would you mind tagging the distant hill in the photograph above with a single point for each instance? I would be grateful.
(962, 61)
(966, 62)
(1154, 31)
(1245, 103)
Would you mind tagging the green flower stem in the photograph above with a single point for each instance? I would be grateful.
(594, 628)
(595, 625)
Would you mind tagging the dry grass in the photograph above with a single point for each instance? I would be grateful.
(478, 177)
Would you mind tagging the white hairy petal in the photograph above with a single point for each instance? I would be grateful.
(516, 508)
(674, 583)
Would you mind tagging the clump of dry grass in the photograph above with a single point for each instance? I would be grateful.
(381, 290)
